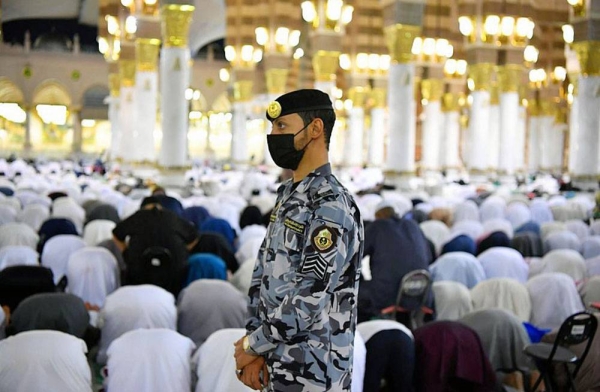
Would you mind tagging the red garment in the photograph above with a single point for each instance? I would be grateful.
(449, 357)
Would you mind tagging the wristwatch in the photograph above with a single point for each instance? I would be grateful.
(246, 345)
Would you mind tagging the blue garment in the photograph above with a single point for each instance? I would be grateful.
(196, 214)
(497, 238)
(535, 334)
(219, 226)
(460, 243)
(205, 266)
(458, 267)
(53, 227)
(530, 226)
(170, 203)
(6, 191)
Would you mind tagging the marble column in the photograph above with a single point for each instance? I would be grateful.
(450, 158)
(174, 80)
(479, 123)
(533, 141)
(432, 90)
(509, 77)
(27, 143)
(354, 143)
(574, 162)
(113, 101)
(546, 134)
(493, 139)
(519, 145)
(145, 98)
(376, 136)
(239, 131)
(77, 136)
(126, 109)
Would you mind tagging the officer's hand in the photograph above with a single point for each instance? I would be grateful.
(242, 359)
(251, 374)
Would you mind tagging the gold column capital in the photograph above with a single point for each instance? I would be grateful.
(242, 90)
(146, 54)
(509, 77)
(325, 64)
(358, 95)
(276, 80)
(399, 39)
(175, 24)
(481, 74)
(546, 107)
(114, 84)
(451, 102)
(574, 79)
(494, 94)
(588, 53)
(127, 73)
(379, 96)
(432, 89)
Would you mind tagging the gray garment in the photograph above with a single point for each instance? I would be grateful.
(55, 311)
(209, 305)
(503, 337)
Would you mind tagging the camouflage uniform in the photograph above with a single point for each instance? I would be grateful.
(304, 286)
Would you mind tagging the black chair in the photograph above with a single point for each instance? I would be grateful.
(410, 306)
(576, 329)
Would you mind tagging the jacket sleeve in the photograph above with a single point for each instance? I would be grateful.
(253, 321)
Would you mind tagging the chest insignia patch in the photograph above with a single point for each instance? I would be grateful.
(294, 226)
(323, 238)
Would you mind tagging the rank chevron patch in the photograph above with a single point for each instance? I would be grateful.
(315, 264)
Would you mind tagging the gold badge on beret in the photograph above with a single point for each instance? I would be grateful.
(274, 109)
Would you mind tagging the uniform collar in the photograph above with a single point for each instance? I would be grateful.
(321, 171)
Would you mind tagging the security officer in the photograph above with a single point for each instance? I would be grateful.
(303, 297)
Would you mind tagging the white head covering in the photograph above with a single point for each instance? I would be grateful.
(162, 362)
(67, 207)
(249, 250)
(57, 251)
(452, 300)
(569, 211)
(471, 228)
(359, 362)
(501, 262)
(503, 293)
(554, 297)
(566, 261)
(562, 240)
(503, 225)
(242, 279)
(437, 232)
(29, 197)
(591, 292)
(401, 202)
(368, 329)
(40, 361)
(590, 247)
(593, 266)
(466, 210)
(133, 307)
(494, 207)
(578, 227)
(92, 274)
(551, 227)
(459, 267)
(18, 234)
(97, 231)
(11, 202)
(540, 211)
(250, 232)
(33, 216)
(216, 364)
(208, 305)
(7, 214)
(17, 255)
(517, 214)
(595, 227)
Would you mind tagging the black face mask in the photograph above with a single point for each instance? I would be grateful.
(283, 152)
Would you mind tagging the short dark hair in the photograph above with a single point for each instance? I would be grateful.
(326, 115)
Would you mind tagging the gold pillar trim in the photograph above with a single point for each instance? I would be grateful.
(127, 73)
(175, 24)
(399, 173)
(450, 102)
(509, 77)
(358, 95)
(325, 65)
(379, 96)
(586, 178)
(588, 53)
(146, 54)
(114, 84)
(546, 107)
(481, 74)
(399, 39)
(432, 89)
(276, 79)
(242, 90)
(495, 94)
(574, 80)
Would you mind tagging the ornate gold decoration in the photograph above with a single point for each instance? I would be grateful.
(495, 94)
(242, 90)
(432, 89)
(276, 80)
(146, 54)
(358, 95)
(379, 96)
(481, 74)
(274, 109)
(450, 102)
(176, 20)
(399, 39)
(114, 84)
(588, 53)
(509, 77)
(325, 65)
(127, 72)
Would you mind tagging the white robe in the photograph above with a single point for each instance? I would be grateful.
(452, 300)
(57, 251)
(92, 274)
(503, 293)
(554, 297)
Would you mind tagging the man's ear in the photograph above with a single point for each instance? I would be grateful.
(317, 128)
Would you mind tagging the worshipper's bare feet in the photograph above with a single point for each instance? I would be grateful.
(534, 377)
(6, 310)
(514, 380)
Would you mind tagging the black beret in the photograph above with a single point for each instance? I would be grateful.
(298, 101)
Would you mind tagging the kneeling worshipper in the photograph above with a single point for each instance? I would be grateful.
(452, 300)
(44, 361)
(154, 228)
(216, 244)
(149, 360)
